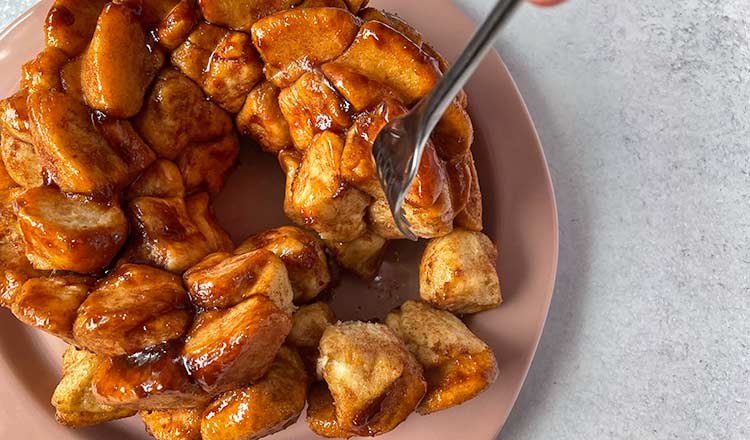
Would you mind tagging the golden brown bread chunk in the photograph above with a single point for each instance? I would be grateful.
(70, 24)
(5, 180)
(119, 64)
(222, 280)
(192, 56)
(296, 41)
(201, 212)
(177, 114)
(134, 308)
(69, 232)
(129, 146)
(231, 348)
(321, 413)
(233, 70)
(380, 220)
(277, 401)
(261, 119)
(51, 304)
(375, 381)
(21, 161)
(43, 72)
(459, 175)
(173, 237)
(70, 78)
(15, 268)
(323, 4)
(75, 155)
(151, 12)
(224, 63)
(458, 365)
(458, 274)
(312, 106)
(162, 179)
(290, 160)
(362, 92)
(174, 424)
(310, 322)
(206, 165)
(394, 21)
(362, 256)
(303, 255)
(176, 26)
(14, 116)
(357, 162)
(73, 399)
(383, 54)
(471, 217)
(426, 221)
(356, 5)
(454, 133)
(153, 379)
(242, 14)
(320, 196)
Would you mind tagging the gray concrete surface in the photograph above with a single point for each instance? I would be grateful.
(643, 108)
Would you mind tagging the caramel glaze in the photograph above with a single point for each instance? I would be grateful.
(136, 307)
(152, 379)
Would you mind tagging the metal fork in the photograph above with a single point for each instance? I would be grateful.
(400, 145)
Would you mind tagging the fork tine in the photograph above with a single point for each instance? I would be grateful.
(393, 188)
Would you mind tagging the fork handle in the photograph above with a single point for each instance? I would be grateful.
(433, 106)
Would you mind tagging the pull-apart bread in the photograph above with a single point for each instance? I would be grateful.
(126, 124)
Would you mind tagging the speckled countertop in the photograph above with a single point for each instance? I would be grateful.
(643, 107)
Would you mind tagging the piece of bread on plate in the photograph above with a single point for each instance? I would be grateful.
(312, 106)
(119, 63)
(376, 383)
(177, 114)
(74, 154)
(154, 379)
(457, 273)
(261, 119)
(69, 232)
(303, 255)
(309, 323)
(173, 424)
(334, 210)
(162, 179)
(21, 162)
(298, 40)
(224, 63)
(174, 233)
(231, 348)
(241, 14)
(51, 303)
(321, 413)
(362, 256)
(70, 24)
(73, 399)
(134, 308)
(457, 364)
(276, 402)
(224, 280)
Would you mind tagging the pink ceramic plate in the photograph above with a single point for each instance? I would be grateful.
(520, 215)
